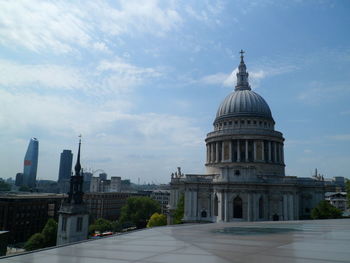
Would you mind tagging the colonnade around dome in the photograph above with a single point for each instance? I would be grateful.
(245, 150)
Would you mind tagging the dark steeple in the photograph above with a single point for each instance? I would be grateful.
(75, 195)
(242, 75)
(77, 167)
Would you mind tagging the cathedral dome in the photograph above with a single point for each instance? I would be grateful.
(243, 102)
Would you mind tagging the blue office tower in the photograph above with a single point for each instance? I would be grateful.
(31, 163)
(65, 170)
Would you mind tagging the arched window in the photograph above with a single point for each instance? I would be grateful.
(261, 208)
(216, 206)
(204, 213)
(237, 208)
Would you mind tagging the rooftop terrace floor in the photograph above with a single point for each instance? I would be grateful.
(288, 241)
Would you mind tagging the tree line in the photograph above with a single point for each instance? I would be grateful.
(138, 212)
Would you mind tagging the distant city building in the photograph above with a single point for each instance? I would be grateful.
(47, 186)
(116, 184)
(65, 171)
(245, 179)
(31, 163)
(26, 214)
(335, 184)
(337, 199)
(87, 181)
(103, 176)
(102, 185)
(162, 196)
(106, 205)
(73, 220)
(126, 185)
(19, 179)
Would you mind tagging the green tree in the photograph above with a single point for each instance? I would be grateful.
(347, 187)
(101, 225)
(325, 210)
(138, 210)
(4, 186)
(50, 233)
(47, 237)
(116, 227)
(180, 209)
(157, 220)
(36, 241)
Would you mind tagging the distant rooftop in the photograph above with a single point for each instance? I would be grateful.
(285, 242)
(24, 195)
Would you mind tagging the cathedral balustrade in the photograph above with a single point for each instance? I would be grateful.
(200, 177)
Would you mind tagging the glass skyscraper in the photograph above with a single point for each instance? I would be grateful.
(31, 163)
(65, 170)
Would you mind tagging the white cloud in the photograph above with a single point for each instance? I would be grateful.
(111, 77)
(13, 74)
(229, 80)
(101, 46)
(215, 79)
(208, 12)
(64, 25)
(122, 76)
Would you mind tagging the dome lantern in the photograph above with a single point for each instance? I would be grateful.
(242, 75)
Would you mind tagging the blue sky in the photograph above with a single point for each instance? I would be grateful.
(141, 81)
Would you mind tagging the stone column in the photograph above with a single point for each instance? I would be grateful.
(195, 208)
(238, 152)
(230, 151)
(207, 153)
(217, 152)
(256, 206)
(254, 142)
(263, 151)
(285, 207)
(269, 151)
(187, 204)
(246, 150)
(275, 152)
(222, 205)
(249, 207)
(226, 207)
(190, 212)
(296, 207)
(282, 153)
(209, 146)
(223, 151)
(210, 155)
(281, 150)
(291, 207)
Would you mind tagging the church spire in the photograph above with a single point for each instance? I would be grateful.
(242, 75)
(77, 167)
(76, 193)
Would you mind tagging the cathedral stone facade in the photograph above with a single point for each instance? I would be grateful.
(245, 178)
